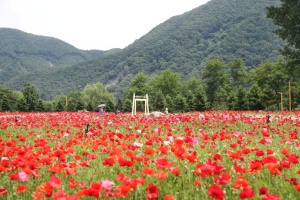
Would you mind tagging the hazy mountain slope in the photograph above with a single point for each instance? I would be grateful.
(223, 29)
(22, 53)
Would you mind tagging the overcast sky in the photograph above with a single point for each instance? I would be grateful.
(91, 24)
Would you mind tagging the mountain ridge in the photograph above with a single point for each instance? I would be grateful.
(22, 53)
(223, 29)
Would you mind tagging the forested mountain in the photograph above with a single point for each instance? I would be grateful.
(23, 53)
(224, 29)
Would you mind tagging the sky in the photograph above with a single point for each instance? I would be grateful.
(91, 24)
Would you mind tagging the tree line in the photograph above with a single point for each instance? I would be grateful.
(222, 86)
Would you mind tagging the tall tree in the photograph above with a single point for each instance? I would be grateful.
(268, 98)
(119, 105)
(59, 106)
(21, 105)
(270, 75)
(200, 101)
(4, 103)
(220, 101)
(127, 107)
(40, 105)
(31, 96)
(12, 96)
(72, 101)
(237, 73)
(180, 104)
(96, 93)
(80, 105)
(110, 107)
(242, 103)
(232, 100)
(157, 100)
(214, 77)
(287, 17)
(89, 106)
(194, 93)
(169, 103)
(168, 82)
(138, 85)
(254, 100)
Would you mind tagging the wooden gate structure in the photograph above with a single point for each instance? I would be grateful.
(140, 98)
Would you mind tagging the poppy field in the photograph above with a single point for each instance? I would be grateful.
(197, 155)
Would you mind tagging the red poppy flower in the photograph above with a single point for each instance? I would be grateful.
(270, 152)
(216, 192)
(269, 159)
(246, 193)
(222, 180)
(92, 156)
(174, 170)
(13, 177)
(218, 157)
(47, 188)
(298, 188)
(168, 197)
(293, 158)
(2, 169)
(108, 161)
(161, 175)
(149, 151)
(3, 191)
(38, 195)
(55, 169)
(259, 153)
(123, 162)
(239, 169)
(72, 183)
(271, 197)
(55, 182)
(59, 195)
(162, 162)
(197, 183)
(21, 188)
(263, 191)
(285, 152)
(148, 171)
(152, 192)
(240, 182)
(255, 166)
(273, 168)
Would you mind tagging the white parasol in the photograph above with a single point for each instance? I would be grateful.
(101, 105)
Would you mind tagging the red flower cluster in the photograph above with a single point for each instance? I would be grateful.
(210, 155)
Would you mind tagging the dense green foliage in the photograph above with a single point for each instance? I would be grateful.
(220, 29)
(217, 89)
(23, 53)
(287, 16)
(31, 97)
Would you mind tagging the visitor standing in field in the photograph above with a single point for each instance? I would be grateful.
(101, 111)
(166, 111)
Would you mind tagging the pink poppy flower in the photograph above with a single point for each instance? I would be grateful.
(107, 184)
(22, 176)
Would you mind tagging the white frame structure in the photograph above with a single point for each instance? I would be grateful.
(140, 98)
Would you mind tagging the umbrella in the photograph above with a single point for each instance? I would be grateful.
(101, 105)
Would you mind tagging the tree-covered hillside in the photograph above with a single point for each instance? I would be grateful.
(22, 53)
(220, 29)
